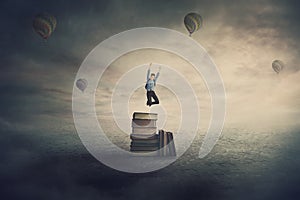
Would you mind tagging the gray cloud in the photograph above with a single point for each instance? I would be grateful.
(42, 156)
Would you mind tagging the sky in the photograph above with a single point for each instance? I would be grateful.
(37, 77)
(234, 34)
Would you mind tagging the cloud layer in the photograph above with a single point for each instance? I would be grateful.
(42, 156)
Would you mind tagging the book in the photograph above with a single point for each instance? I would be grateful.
(165, 143)
(144, 153)
(144, 144)
(143, 115)
(172, 151)
(143, 123)
(144, 148)
(146, 140)
(144, 136)
(161, 141)
(143, 130)
(136, 144)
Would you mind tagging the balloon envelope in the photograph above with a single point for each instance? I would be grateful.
(44, 25)
(81, 84)
(192, 22)
(277, 66)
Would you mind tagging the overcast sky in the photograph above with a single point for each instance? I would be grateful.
(242, 38)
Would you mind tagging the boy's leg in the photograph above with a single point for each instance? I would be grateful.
(156, 101)
(149, 101)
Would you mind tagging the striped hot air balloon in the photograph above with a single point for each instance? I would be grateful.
(44, 24)
(193, 22)
(277, 66)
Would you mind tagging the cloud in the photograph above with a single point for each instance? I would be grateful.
(42, 156)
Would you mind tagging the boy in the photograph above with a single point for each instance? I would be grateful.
(151, 83)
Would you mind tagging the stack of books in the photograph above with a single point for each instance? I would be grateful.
(144, 137)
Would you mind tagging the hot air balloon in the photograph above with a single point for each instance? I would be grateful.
(277, 66)
(192, 22)
(81, 84)
(44, 24)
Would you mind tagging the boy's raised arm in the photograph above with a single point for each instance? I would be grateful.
(157, 74)
(148, 72)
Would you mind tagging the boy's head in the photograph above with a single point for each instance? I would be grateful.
(152, 76)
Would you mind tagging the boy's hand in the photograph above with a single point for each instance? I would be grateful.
(150, 65)
(159, 68)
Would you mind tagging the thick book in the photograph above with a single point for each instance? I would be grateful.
(136, 144)
(144, 153)
(143, 123)
(161, 141)
(144, 130)
(135, 148)
(172, 150)
(165, 150)
(143, 136)
(145, 141)
(143, 115)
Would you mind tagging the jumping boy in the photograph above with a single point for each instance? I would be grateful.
(151, 83)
